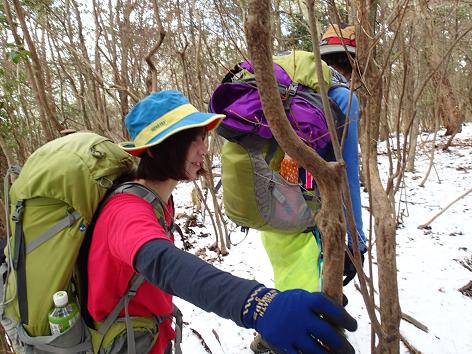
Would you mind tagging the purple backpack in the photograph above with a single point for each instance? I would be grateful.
(237, 97)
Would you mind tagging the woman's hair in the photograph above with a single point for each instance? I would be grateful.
(167, 159)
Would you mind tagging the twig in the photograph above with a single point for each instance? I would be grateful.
(409, 346)
(404, 316)
(199, 336)
(425, 226)
(467, 263)
(217, 337)
(467, 289)
(415, 322)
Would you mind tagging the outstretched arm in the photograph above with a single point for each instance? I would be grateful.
(290, 321)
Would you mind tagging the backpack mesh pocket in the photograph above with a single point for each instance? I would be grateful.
(280, 203)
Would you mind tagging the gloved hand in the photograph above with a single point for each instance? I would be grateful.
(349, 269)
(297, 321)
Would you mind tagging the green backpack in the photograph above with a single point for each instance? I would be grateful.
(53, 202)
(255, 195)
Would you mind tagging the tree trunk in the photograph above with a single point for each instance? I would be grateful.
(330, 219)
(125, 44)
(408, 107)
(29, 72)
(38, 73)
(449, 110)
(382, 208)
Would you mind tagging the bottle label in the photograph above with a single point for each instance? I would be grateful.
(62, 325)
(56, 328)
(73, 320)
(63, 318)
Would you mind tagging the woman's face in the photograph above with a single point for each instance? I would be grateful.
(195, 155)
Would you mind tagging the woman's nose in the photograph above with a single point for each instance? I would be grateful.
(203, 148)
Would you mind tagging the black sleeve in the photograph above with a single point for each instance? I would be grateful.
(184, 275)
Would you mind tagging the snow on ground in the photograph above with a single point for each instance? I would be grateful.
(428, 260)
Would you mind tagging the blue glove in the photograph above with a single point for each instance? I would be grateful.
(349, 269)
(297, 321)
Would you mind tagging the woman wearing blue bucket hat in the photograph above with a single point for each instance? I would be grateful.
(168, 134)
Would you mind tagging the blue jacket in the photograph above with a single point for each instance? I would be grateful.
(351, 156)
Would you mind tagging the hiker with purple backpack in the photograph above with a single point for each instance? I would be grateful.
(297, 258)
(263, 188)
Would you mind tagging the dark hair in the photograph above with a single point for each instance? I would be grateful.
(339, 60)
(166, 160)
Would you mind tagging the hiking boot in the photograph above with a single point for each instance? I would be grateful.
(259, 346)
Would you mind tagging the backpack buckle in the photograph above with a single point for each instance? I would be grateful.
(131, 293)
(237, 76)
(16, 169)
(17, 215)
(245, 229)
(292, 89)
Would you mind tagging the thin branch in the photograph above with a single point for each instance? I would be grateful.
(425, 226)
(404, 316)
(409, 346)
(155, 48)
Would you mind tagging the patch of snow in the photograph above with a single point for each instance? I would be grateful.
(429, 272)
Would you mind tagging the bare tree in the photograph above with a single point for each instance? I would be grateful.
(380, 200)
(330, 218)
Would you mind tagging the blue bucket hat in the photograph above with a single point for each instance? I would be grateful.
(160, 115)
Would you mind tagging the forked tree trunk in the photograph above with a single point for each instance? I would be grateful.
(330, 219)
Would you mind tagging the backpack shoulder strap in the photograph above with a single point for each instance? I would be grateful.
(127, 187)
(158, 205)
(137, 280)
(148, 195)
(133, 287)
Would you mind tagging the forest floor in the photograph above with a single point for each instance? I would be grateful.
(433, 264)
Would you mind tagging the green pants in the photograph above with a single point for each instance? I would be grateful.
(295, 259)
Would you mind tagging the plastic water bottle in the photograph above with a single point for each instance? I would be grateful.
(64, 314)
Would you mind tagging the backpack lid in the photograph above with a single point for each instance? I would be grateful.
(300, 66)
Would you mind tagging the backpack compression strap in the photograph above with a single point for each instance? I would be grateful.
(19, 260)
(21, 250)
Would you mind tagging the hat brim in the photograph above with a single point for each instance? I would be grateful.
(336, 48)
(193, 120)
